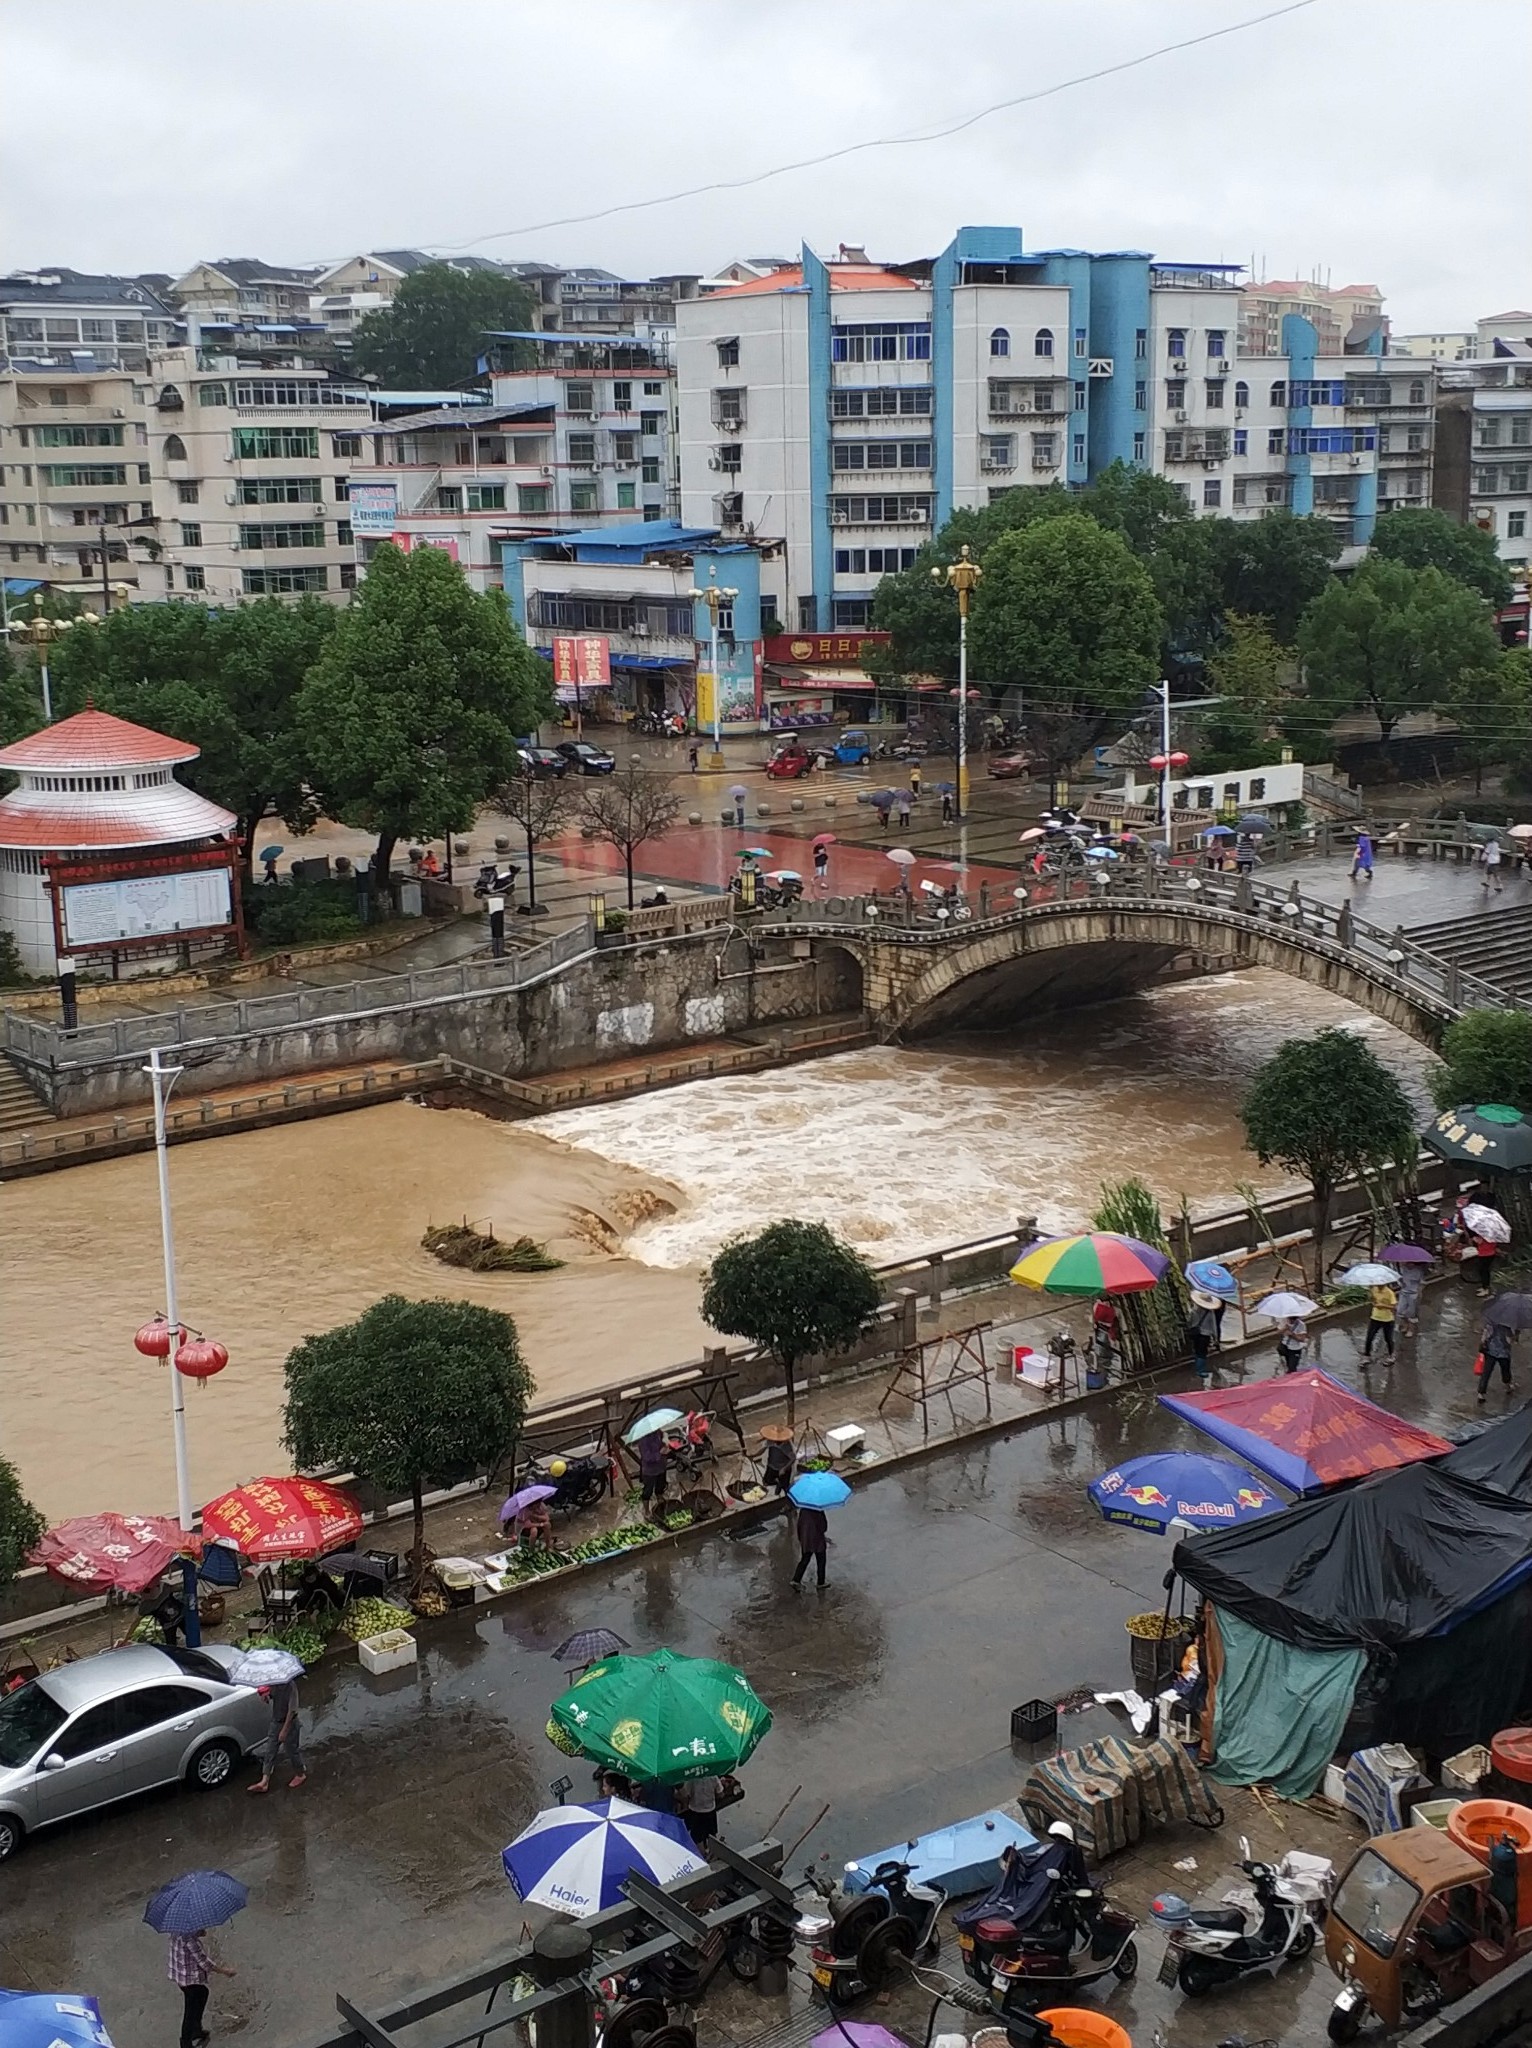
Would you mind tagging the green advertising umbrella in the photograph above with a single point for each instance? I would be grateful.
(663, 1718)
(1484, 1134)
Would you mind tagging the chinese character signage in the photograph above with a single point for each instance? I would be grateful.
(823, 650)
(582, 658)
(374, 509)
(408, 542)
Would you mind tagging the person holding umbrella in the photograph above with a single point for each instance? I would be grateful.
(1202, 1328)
(653, 1467)
(183, 1911)
(1380, 1320)
(822, 859)
(812, 1493)
(1494, 1350)
(273, 1673)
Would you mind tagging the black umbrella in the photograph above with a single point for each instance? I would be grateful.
(588, 1645)
(356, 1561)
(1487, 1134)
(1510, 1312)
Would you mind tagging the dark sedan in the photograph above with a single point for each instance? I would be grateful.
(542, 763)
(585, 759)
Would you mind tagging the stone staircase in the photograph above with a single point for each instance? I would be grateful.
(20, 1109)
(1495, 945)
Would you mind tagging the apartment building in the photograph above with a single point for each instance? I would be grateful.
(66, 319)
(1455, 346)
(1331, 313)
(76, 491)
(1484, 466)
(582, 437)
(251, 476)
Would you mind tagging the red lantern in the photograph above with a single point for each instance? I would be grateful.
(1159, 763)
(1179, 760)
(153, 1340)
(199, 1358)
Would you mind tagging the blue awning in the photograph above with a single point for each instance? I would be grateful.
(649, 661)
(22, 586)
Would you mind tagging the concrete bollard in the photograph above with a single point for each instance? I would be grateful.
(694, 818)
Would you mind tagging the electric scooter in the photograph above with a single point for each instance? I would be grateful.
(868, 1940)
(1216, 1945)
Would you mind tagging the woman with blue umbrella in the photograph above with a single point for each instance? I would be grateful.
(184, 1910)
(812, 1493)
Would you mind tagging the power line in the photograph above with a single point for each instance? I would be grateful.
(883, 141)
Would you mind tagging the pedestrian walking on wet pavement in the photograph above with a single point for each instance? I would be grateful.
(652, 1466)
(1361, 860)
(821, 863)
(1292, 1341)
(1489, 861)
(1202, 1328)
(1494, 1350)
(739, 793)
(697, 1807)
(902, 806)
(947, 811)
(915, 778)
(1380, 1320)
(282, 1733)
(693, 756)
(189, 1965)
(813, 1539)
(1411, 1282)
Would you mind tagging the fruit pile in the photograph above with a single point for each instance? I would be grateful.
(372, 1617)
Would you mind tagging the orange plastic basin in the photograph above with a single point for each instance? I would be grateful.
(1511, 1754)
(1078, 2027)
(1479, 1823)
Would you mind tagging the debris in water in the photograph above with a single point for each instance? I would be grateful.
(456, 1245)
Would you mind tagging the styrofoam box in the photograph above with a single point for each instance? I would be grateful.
(849, 1437)
(1335, 1784)
(390, 1651)
(1433, 1813)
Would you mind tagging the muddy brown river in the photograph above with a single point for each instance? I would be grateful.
(284, 1232)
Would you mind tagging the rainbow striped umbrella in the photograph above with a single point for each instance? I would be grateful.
(1097, 1263)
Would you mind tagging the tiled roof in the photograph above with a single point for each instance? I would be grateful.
(94, 740)
(40, 821)
(844, 277)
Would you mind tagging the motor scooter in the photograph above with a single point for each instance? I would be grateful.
(1045, 1929)
(496, 881)
(867, 1940)
(579, 1479)
(1218, 1944)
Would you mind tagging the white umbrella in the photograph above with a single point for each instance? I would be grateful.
(1283, 1304)
(1369, 1274)
(901, 856)
(268, 1666)
(1487, 1223)
(1521, 831)
(656, 1419)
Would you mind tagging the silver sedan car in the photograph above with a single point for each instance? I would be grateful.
(122, 1722)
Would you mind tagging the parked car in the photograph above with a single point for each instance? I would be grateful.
(853, 748)
(121, 1722)
(542, 763)
(585, 759)
(788, 763)
(1009, 767)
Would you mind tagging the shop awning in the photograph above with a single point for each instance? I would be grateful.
(650, 660)
(815, 681)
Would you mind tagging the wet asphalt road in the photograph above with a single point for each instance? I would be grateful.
(958, 1590)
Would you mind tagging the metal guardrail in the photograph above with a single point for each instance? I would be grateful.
(1233, 899)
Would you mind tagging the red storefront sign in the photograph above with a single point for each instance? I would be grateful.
(582, 658)
(822, 650)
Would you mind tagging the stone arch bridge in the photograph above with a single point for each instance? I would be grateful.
(916, 972)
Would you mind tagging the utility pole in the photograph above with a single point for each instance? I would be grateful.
(963, 576)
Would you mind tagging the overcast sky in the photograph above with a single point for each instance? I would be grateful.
(1381, 141)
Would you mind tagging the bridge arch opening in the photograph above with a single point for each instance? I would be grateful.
(840, 981)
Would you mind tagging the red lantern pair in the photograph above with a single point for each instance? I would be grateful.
(198, 1357)
(1160, 762)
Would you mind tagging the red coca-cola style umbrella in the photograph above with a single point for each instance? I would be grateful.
(270, 1519)
(128, 1552)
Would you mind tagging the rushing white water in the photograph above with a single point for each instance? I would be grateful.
(906, 1148)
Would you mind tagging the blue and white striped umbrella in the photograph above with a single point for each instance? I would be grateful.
(574, 1858)
(51, 2019)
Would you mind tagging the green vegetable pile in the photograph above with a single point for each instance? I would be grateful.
(372, 1617)
(530, 1561)
(677, 1518)
(148, 1631)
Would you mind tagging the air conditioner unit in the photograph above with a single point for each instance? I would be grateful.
(714, 463)
(1239, 412)
(547, 470)
(118, 413)
(640, 630)
(1181, 419)
(1179, 363)
(231, 497)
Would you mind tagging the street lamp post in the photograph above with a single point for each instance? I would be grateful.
(963, 576)
(163, 1079)
(715, 597)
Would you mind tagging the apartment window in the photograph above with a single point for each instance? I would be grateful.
(1080, 396)
(143, 473)
(582, 497)
(1276, 440)
(1515, 478)
(345, 444)
(650, 469)
(1417, 391)
(625, 447)
(212, 394)
(1077, 446)
(1042, 342)
(342, 490)
(348, 575)
(1175, 342)
(1241, 441)
(279, 490)
(1515, 525)
(1141, 345)
(622, 395)
(188, 494)
(1140, 447)
(285, 582)
(579, 398)
(191, 534)
(1042, 398)
(1241, 395)
(1215, 344)
(265, 444)
(731, 458)
(850, 611)
(654, 390)
(582, 448)
(1175, 392)
(1276, 491)
(60, 474)
(1484, 482)
(908, 510)
(1213, 390)
(343, 533)
(1141, 396)
(449, 497)
(728, 353)
(1212, 491)
(1521, 432)
(1237, 492)
(1278, 393)
(1045, 451)
(486, 497)
(905, 341)
(1415, 438)
(997, 451)
(649, 422)
(1000, 341)
(83, 437)
(627, 497)
(196, 576)
(1413, 482)
(531, 497)
(283, 533)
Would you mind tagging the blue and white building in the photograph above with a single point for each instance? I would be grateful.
(849, 406)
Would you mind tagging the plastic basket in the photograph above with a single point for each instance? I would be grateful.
(1037, 1721)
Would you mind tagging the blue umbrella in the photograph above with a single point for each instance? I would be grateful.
(819, 1490)
(577, 1858)
(40, 2019)
(1213, 1278)
(1219, 832)
(272, 852)
(1210, 1493)
(201, 1898)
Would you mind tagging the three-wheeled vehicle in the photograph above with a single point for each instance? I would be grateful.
(791, 760)
(853, 747)
(1416, 1922)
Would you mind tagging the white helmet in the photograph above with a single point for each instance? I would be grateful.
(1061, 1830)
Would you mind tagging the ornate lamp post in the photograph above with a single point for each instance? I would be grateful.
(715, 596)
(963, 576)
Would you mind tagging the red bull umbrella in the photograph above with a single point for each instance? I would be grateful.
(1209, 1493)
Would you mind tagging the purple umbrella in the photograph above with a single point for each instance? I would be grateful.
(1405, 1255)
(528, 1497)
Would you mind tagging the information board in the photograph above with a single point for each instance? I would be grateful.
(145, 907)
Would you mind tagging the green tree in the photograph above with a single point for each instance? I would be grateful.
(542, 807)
(1486, 1057)
(1274, 567)
(1145, 509)
(1067, 613)
(1426, 539)
(1391, 640)
(226, 681)
(408, 720)
(627, 809)
(21, 696)
(1250, 670)
(413, 1394)
(795, 1288)
(1326, 1107)
(1492, 709)
(432, 333)
(20, 1524)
